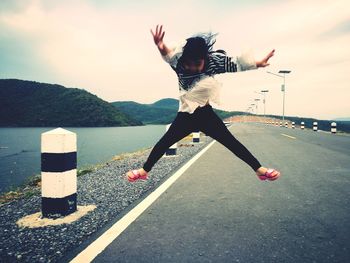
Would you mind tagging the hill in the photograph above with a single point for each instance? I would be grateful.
(33, 104)
(166, 104)
(342, 119)
(160, 112)
(165, 110)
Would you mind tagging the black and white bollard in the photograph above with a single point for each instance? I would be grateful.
(302, 125)
(333, 127)
(286, 124)
(58, 173)
(315, 126)
(173, 148)
(293, 125)
(196, 137)
(280, 124)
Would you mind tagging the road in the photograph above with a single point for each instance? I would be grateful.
(218, 211)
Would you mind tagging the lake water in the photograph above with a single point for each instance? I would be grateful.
(20, 148)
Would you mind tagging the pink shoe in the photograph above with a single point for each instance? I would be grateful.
(135, 175)
(270, 175)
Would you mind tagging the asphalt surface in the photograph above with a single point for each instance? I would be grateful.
(218, 211)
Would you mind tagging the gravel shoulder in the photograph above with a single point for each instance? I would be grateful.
(105, 187)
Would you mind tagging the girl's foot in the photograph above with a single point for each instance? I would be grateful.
(267, 174)
(135, 175)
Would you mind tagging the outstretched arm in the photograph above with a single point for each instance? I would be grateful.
(264, 62)
(158, 40)
(245, 61)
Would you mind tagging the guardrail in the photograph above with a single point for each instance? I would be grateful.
(278, 123)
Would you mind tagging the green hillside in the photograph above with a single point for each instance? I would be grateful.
(165, 110)
(33, 104)
(166, 104)
(161, 112)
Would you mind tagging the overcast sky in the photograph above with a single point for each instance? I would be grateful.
(106, 48)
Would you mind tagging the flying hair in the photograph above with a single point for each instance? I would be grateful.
(198, 46)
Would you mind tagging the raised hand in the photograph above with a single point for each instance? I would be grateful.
(264, 62)
(158, 36)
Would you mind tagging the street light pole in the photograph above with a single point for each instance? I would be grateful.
(284, 72)
(257, 101)
(264, 100)
(252, 107)
(264, 92)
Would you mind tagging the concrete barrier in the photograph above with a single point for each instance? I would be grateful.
(196, 137)
(333, 128)
(173, 148)
(58, 173)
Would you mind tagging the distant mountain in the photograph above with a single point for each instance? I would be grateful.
(160, 112)
(166, 104)
(33, 104)
(342, 119)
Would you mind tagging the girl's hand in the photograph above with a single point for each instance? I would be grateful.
(158, 36)
(263, 63)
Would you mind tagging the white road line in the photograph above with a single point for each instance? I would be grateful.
(95, 248)
(288, 136)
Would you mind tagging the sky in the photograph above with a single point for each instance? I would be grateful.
(106, 48)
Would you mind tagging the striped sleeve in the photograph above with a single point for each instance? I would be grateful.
(230, 65)
(220, 63)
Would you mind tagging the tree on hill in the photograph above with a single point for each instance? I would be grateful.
(34, 104)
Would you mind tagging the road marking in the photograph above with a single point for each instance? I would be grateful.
(288, 136)
(96, 247)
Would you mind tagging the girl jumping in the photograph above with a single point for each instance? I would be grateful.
(195, 64)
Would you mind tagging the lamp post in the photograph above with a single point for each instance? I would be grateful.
(257, 101)
(283, 89)
(252, 107)
(263, 92)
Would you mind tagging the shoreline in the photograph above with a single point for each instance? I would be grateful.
(20, 159)
(33, 183)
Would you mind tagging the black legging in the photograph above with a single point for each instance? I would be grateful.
(202, 119)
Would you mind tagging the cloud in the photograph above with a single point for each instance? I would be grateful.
(106, 47)
(10, 6)
(342, 28)
(316, 64)
(19, 57)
